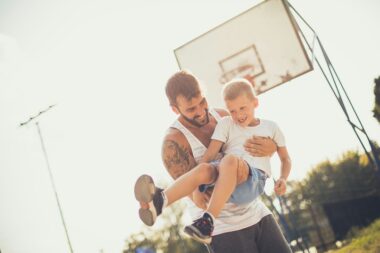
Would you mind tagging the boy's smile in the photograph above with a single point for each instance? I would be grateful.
(242, 110)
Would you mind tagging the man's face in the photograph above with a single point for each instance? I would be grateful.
(194, 111)
(242, 110)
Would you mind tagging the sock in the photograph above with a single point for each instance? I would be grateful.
(209, 216)
(165, 199)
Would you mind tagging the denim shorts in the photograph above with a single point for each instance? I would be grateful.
(247, 191)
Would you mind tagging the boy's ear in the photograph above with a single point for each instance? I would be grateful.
(175, 109)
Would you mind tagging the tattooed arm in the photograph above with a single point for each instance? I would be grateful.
(176, 154)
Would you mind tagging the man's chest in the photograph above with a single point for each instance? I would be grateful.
(204, 134)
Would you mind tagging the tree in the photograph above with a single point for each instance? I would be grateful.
(376, 109)
(351, 176)
(166, 237)
(334, 197)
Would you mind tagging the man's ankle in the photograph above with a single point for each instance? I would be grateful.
(165, 200)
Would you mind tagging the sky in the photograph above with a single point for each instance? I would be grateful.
(104, 64)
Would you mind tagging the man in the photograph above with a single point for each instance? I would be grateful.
(245, 228)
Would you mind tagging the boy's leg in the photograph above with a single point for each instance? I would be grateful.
(183, 186)
(226, 182)
(202, 228)
(153, 199)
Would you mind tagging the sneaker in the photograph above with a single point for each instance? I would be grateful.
(147, 192)
(201, 229)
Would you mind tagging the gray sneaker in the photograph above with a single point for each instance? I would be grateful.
(147, 192)
(201, 229)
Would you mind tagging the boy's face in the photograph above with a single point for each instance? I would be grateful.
(242, 110)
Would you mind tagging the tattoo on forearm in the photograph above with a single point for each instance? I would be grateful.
(176, 158)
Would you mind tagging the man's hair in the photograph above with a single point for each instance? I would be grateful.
(237, 87)
(182, 83)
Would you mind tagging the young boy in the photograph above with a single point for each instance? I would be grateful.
(229, 137)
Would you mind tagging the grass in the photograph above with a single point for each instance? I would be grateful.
(366, 240)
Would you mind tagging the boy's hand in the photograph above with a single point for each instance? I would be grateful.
(200, 199)
(280, 187)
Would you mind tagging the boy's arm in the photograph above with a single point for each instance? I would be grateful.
(212, 151)
(286, 164)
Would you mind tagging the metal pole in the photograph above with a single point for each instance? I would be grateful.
(318, 229)
(54, 188)
(282, 202)
(209, 249)
(338, 95)
(288, 231)
(50, 172)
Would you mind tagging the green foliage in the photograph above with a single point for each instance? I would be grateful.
(351, 176)
(366, 240)
(376, 109)
(166, 237)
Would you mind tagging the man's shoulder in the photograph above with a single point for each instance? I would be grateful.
(176, 153)
(221, 112)
(175, 135)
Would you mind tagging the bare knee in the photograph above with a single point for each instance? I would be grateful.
(229, 162)
(205, 173)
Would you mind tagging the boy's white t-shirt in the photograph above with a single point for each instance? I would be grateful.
(234, 136)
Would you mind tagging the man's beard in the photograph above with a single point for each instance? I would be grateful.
(195, 122)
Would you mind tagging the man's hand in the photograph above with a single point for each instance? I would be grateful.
(260, 146)
(280, 187)
(200, 199)
(242, 172)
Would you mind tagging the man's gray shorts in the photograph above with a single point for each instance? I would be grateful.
(263, 237)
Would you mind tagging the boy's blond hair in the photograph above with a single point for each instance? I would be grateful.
(237, 87)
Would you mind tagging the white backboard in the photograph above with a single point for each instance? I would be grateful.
(261, 45)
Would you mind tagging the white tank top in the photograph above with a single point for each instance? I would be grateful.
(196, 145)
(232, 217)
